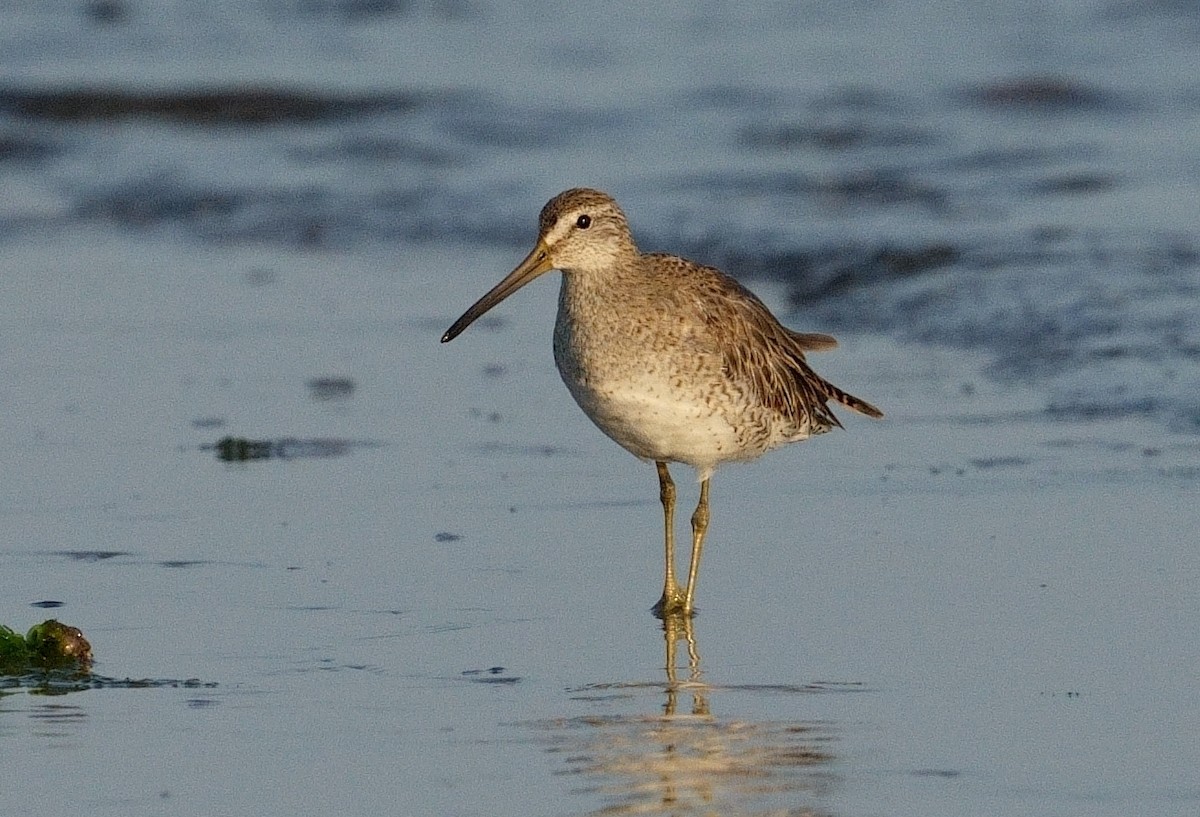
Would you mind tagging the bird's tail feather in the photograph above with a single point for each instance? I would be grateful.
(851, 402)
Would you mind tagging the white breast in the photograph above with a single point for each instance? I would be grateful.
(655, 422)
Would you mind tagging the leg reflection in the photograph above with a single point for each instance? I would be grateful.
(676, 628)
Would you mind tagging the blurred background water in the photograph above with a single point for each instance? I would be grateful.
(1022, 178)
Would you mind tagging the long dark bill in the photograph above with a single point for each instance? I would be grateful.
(534, 265)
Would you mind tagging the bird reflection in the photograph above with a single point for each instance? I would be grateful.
(685, 760)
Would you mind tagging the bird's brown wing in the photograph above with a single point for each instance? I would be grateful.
(768, 357)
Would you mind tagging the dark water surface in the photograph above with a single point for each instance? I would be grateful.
(252, 221)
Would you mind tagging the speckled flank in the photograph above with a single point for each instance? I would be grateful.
(675, 361)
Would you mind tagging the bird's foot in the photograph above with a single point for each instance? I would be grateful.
(673, 604)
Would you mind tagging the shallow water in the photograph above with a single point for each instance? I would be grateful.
(255, 222)
(456, 621)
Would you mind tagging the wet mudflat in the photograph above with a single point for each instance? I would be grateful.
(966, 609)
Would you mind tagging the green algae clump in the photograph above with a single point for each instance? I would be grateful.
(50, 645)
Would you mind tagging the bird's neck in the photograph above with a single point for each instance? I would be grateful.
(609, 290)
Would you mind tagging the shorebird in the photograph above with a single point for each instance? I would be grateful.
(675, 361)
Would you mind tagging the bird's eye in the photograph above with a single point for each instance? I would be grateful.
(583, 222)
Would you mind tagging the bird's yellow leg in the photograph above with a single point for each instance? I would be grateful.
(699, 529)
(672, 598)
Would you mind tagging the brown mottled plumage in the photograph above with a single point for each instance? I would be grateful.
(675, 361)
